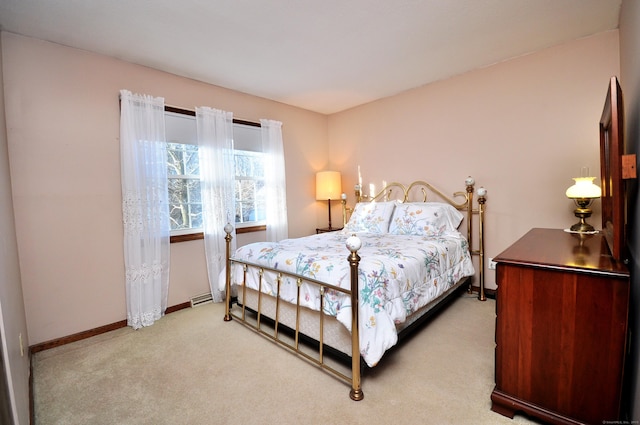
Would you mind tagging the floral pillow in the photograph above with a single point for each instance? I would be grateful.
(424, 219)
(372, 217)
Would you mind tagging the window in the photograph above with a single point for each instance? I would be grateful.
(183, 170)
(250, 199)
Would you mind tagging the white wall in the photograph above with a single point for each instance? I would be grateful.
(522, 128)
(63, 128)
(13, 322)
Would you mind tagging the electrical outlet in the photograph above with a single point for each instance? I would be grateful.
(492, 264)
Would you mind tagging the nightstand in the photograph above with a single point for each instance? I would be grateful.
(328, 229)
(561, 329)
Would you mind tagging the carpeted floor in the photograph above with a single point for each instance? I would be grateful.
(191, 367)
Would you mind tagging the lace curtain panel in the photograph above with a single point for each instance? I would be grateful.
(144, 207)
(217, 181)
(274, 181)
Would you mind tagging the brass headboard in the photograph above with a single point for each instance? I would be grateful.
(422, 191)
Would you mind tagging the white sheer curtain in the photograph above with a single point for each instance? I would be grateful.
(274, 180)
(217, 180)
(145, 210)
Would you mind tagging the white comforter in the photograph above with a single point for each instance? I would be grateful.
(398, 274)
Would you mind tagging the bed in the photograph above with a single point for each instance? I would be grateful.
(399, 258)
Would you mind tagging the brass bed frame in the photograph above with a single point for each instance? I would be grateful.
(418, 191)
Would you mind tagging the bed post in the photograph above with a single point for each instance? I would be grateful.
(482, 198)
(482, 193)
(469, 183)
(228, 228)
(353, 244)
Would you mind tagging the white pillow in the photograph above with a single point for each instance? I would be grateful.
(424, 219)
(372, 217)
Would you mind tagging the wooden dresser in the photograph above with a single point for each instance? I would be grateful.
(561, 329)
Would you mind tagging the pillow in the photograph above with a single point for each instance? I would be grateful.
(424, 219)
(372, 217)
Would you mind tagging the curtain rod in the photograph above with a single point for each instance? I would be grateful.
(192, 113)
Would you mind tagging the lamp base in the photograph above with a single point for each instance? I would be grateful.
(582, 212)
(582, 227)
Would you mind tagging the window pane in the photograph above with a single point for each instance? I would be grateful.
(182, 159)
(242, 166)
(261, 208)
(245, 206)
(192, 162)
(195, 215)
(185, 205)
(258, 166)
(249, 164)
(250, 193)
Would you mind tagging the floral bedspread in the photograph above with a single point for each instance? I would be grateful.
(398, 274)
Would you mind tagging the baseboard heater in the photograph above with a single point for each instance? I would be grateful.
(201, 299)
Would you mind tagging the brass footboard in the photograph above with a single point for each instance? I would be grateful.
(272, 333)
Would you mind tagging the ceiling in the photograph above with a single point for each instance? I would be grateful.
(320, 55)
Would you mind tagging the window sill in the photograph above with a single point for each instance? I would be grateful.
(187, 237)
(250, 229)
(200, 235)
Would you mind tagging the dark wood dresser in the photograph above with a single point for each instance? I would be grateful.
(561, 329)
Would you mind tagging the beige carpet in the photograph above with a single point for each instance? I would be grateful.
(191, 367)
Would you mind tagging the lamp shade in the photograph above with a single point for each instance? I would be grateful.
(584, 189)
(328, 185)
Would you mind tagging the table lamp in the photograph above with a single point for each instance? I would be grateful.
(328, 187)
(583, 192)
